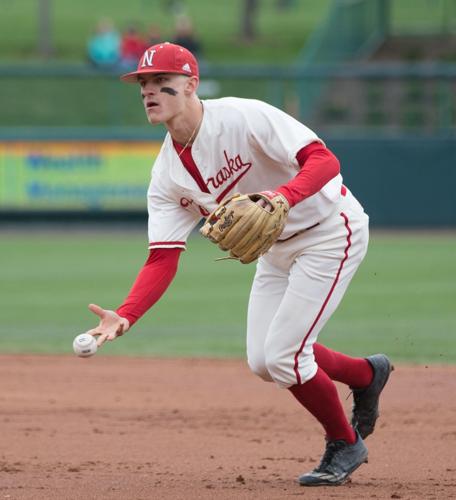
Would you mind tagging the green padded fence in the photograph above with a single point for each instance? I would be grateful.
(407, 182)
(401, 182)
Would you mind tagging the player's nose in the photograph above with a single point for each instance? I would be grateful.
(148, 92)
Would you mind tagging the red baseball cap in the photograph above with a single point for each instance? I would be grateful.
(164, 58)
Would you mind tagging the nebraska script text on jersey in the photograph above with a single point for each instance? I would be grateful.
(227, 171)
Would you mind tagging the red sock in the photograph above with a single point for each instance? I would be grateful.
(355, 372)
(319, 396)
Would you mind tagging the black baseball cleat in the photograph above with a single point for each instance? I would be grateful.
(339, 461)
(365, 401)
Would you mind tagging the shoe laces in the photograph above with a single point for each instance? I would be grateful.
(332, 448)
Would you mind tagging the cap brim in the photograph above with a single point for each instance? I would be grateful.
(132, 77)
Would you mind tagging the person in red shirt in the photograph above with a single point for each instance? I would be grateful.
(132, 46)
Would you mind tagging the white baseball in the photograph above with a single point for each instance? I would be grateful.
(85, 345)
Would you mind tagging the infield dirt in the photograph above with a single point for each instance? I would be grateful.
(144, 428)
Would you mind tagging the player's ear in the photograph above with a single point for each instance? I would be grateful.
(191, 84)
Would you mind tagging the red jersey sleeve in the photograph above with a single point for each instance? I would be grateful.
(151, 283)
(318, 166)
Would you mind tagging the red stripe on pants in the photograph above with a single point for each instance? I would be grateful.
(296, 358)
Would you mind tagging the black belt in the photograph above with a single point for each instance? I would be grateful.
(299, 232)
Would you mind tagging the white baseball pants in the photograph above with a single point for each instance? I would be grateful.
(297, 286)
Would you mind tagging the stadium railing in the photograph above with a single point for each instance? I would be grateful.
(77, 102)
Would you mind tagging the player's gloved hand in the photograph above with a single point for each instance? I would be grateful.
(247, 225)
(111, 324)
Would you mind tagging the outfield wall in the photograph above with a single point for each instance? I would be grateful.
(407, 182)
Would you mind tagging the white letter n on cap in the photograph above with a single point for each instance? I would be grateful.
(148, 56)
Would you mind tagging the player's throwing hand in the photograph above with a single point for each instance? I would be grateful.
(111, 324)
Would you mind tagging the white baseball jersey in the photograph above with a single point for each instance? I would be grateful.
(243, 146)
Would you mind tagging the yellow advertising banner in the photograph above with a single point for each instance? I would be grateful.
(75, 175)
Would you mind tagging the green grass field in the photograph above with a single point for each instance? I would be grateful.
(402, 301)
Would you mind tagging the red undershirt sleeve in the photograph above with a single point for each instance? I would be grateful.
(318, 167)
(151, 283)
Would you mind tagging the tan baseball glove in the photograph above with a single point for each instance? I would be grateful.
(247, 224)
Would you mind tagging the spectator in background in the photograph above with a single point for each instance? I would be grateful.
(103, 48)
(132, 47)
(185, 36)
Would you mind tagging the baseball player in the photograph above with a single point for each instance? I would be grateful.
(218, 147)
